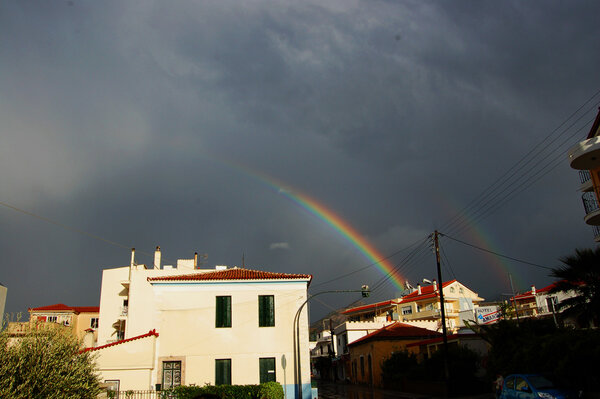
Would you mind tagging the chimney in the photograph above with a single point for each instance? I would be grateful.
(195, 260)
(132, 263)
(533, 290)
(435, 286)
(419, 288)
(157, 258)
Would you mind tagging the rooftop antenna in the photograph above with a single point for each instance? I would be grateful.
(243, 261)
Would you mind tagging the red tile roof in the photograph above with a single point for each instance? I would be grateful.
(370, 306)
(233, 274)
(426, 293)
(62, 307)
(148, 334)
(529, 294)
(397, 331)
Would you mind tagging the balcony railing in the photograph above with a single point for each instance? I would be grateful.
(597, 233)
(589, 202)
(584, 176)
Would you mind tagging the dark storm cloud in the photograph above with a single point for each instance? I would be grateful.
(123, 120)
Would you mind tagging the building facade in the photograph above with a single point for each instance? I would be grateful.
(164, 326)
(368, 353)
(423, 307)
(83, 321)
(585, 157)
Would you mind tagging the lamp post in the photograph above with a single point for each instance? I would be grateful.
(296, 332)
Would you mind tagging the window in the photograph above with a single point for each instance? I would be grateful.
(51, 319)
(223, 312)
(223, 372)
(407, 310)
(171, 375)
(452, 289)
(112, 385)
(510, 383)
(362, 367)
(94, 322)
(266, 311)
(267, 369)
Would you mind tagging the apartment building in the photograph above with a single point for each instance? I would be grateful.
(585, 157)
(83, 321)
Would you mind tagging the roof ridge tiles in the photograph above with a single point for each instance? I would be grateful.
(148, 334)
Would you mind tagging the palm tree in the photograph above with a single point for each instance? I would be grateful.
(581, 275)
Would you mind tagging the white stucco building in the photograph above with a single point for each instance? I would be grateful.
(181, 325)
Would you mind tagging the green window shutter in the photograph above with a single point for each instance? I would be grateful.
(223, 372)
(267, 369)
(223, 312)
(266, 311)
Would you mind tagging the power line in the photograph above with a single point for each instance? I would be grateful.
(458, 218)
(496, 253)
(489, 208)
(368, 266)
(402, 263)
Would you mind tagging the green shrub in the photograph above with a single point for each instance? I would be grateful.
(45, 362)
(269, 390)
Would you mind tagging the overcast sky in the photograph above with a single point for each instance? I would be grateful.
(158, 123)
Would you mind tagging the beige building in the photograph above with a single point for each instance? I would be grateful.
(3, 292)
(83, 321)
(422, 307)
(164, 326)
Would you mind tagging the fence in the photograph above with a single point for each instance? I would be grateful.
(137, 395)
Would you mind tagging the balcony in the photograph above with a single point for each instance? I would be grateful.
(592, 210)
(585, 155)
(586, 181)
(596, 233)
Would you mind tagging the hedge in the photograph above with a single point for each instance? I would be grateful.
(268, 390)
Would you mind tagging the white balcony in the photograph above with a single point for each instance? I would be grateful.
(585, 155)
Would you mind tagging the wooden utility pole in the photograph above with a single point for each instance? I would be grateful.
(443, 309)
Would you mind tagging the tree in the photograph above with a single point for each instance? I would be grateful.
(45, 362)
(580, 274)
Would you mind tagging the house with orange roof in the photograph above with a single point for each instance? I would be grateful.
(83, 321)
(164, 326)
(539, 302)
(368, 353)
(422, 306)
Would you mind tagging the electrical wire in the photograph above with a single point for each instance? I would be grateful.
(497, 253)
(537, 150)
(368, 266)
(546, 168)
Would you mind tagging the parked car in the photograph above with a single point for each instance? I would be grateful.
(531, 386)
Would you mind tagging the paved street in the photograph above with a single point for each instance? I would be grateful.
(329, 390)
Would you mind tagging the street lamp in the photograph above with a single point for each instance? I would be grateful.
(365, 291)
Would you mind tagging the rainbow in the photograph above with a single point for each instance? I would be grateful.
(477, 235)
(330, 218)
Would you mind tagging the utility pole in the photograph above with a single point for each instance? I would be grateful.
(514, 298)
(443, 309)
